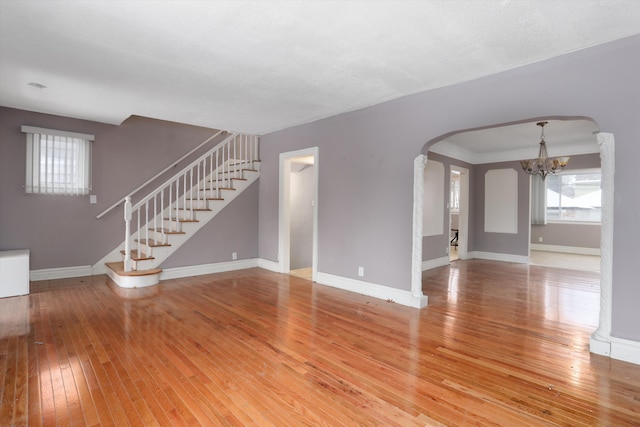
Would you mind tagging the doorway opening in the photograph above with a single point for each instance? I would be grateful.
(458, 212)
(298, 230)
(601, 338)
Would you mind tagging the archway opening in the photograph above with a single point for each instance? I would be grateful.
(604, 143)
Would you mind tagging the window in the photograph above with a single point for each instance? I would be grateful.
(575, 196)
(58, 162)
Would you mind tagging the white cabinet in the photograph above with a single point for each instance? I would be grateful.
(14, 273)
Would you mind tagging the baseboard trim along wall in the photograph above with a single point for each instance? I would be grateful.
(626, 350)
(434, 263)
(199, 270)
(269, 265)
(59, 273)
(565, 249)
(492, 256)
(442, 261)
(386, 293)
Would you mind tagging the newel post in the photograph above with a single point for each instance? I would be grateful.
(127, 232)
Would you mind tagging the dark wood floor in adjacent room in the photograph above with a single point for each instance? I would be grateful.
(498, 344)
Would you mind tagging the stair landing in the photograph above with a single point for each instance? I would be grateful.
(132, 279)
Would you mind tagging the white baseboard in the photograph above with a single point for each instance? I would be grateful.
(269, 265)
(131, 282)
(198, 270)
(565, 249)
(626, 350)
(59, 273)
(371, 289)
(492, 256)
(434, 263)
(616, 348)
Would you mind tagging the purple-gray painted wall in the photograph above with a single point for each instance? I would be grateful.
(366, 163)
(579, 235)
(234, 229)
(499, 243)
(62, 231)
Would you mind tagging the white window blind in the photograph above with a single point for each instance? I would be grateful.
(58, 162)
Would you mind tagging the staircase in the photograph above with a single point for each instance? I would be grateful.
(162, 221)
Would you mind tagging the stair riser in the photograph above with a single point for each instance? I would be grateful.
(194, 204)
(172, 225)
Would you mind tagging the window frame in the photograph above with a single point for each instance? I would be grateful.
(584, 171)
(80, 185)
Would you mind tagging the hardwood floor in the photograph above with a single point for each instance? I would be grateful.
(499, 344)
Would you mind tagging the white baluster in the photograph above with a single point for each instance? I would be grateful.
(217, 166)
(127, 231)
(138, 231)
(146, 221)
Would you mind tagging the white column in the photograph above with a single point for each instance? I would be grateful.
(601, 338)
(419, 300)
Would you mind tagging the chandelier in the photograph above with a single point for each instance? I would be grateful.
(542, 165)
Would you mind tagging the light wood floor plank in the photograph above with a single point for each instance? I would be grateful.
(499, 344)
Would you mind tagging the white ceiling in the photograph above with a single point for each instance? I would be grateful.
(260, 66)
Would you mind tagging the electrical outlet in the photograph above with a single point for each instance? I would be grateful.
(234, 255)
(361, 271)
(539, 239)
(93, 199)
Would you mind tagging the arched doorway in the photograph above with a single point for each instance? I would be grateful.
(600, 340)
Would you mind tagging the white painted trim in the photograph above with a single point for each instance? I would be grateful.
(269, 265)
(59, 273)
(599, 346)
(130, 282)
(492, 256)
(55, 132)
(416, 248)
(607, 166)
(199, 270)
(434, 263)
(565, 249)
(373, 290)
(626, 350)
(463, 218)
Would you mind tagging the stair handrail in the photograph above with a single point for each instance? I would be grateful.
(150, 180)
(186, 169)
(250, 149)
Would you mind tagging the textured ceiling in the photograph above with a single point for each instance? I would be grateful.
(260, 66)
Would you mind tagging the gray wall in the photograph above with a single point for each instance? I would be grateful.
(62, 231)
(234, 229)
(571, 235)
(500, 243)
(366, 163)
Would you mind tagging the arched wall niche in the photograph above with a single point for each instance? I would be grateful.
(601, 338)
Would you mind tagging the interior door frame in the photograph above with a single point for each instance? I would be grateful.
(284, 214)
(463, 218)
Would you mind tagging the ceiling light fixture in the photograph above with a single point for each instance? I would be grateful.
(36, 85)
(542, 165)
